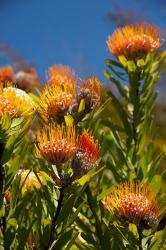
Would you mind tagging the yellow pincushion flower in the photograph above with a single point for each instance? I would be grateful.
(133, 202)
(134, 41)
(62, 75)
(55, 102)
(20, 101)
(6, 107)
(29, 180)
(57, 144)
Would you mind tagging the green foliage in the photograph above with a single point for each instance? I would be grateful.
(64, 210)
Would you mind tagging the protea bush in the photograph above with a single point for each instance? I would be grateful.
(79, 166)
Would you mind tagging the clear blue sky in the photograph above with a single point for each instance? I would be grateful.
(71, 32)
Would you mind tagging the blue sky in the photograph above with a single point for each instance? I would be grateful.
(72, 32)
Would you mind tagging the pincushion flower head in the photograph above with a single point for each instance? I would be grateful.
(134, 41)
(57, 144)
(6, 74)
(15, 102)
(55, 102)
(87, 154)
(133, 202)
(62, 75)
(29, 181)
(90, 92)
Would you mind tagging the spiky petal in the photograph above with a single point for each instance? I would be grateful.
(133, 202)
(134, 41)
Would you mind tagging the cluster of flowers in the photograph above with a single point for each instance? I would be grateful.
(61, 99)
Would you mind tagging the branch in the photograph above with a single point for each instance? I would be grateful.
(54, 220)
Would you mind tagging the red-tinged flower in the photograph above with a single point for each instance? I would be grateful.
(30, 181)
(55, 102)
(134, 41)
(62, 75)
(87, 154)
(57, 144)
(26, 79)
(133, 202)
(6, 74)
(88, 146)
(90, 91)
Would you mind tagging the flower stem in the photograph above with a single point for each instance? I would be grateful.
(135, 119)
(54, 220)
(140, 238)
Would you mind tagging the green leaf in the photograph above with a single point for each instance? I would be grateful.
(131, 66)
(71, 242)
(156, 183)
(113, 62)
(74, 215)
(68, 120)
(121, 112)
(66, 209)
(81, 107)
(62, 241)
(123, 61)
(117, 83)
(104, 193)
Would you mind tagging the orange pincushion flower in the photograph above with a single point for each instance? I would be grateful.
(55, 102)
(21, 102)
(62, 75)
(134, 41)
(29, 180)
(57, 144)
(133, 202)
(6, 73)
